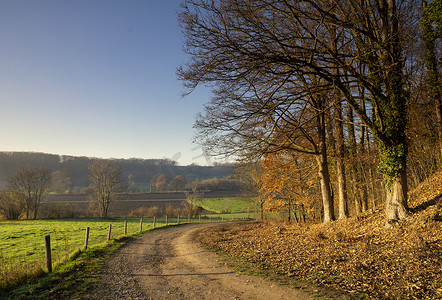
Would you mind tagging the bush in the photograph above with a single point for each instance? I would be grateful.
(60, 210)
(148, 212)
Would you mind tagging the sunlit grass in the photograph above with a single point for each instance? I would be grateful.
(227, 204)
(22, 247)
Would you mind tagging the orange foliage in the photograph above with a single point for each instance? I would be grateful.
(287, 182)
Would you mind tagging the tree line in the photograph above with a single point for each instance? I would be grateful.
(76, 168)
(339, 99)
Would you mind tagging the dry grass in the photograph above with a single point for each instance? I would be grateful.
(12, 276)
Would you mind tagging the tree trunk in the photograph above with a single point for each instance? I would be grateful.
(340, 166)
(396, 203)
(353, 161)
(324, 176)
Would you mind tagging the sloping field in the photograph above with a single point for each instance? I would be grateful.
(127, 202)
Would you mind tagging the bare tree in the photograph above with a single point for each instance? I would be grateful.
(284, 51)
(105, 177)
(32, 182)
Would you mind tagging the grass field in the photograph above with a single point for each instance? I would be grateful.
(22, 248)
(227, 205)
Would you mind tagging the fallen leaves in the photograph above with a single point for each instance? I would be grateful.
(357, 256)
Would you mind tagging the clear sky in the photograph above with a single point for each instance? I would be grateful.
(95, 78)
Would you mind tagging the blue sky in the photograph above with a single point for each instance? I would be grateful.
(95, 78)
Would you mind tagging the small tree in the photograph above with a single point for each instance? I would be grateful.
(162, 182)
(179, 182)
(32, 183)
(11, 204)
(194, 196)
(132, 188)
(105, 179)
(288, 183)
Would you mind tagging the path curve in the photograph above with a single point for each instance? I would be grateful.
(167, 264)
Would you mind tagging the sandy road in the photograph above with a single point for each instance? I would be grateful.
(166, 264)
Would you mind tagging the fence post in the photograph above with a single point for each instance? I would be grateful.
(86, 239)
(125, 227)
(178, 221)
(109, 233)
(141, 224)
(48, 253)
(166, 220)
(154, 222)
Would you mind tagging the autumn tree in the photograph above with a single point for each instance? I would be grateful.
(250, 173)
(32, 183)
(179, 182)
(105, 177)
(288, 182)
(162, 182)
(12, 204)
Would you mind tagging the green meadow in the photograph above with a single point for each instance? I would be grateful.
(22, 246)
(227, 205)
(23, 241)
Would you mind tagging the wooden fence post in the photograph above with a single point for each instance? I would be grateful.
(125, 227)
(109, 233)
(141, 224)
(48, 253)
(86, 239)
(166, 220)
(154, 222)
(178, 221)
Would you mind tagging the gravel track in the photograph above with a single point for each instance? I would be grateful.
(167, 264)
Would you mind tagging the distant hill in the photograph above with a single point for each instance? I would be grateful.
(143, 170)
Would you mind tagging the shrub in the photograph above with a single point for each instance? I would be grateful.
(148, 212)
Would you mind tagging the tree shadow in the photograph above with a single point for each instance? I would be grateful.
(423, 206)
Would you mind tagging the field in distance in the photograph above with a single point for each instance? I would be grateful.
(212, 202)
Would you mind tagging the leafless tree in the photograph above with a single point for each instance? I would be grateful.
(105, 177)
(287, 53)
(32, 183)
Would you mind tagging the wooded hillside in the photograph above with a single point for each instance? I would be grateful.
(76, 168)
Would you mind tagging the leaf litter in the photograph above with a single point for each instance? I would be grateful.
(358, 256)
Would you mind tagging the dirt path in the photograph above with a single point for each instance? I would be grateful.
(166, 264)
